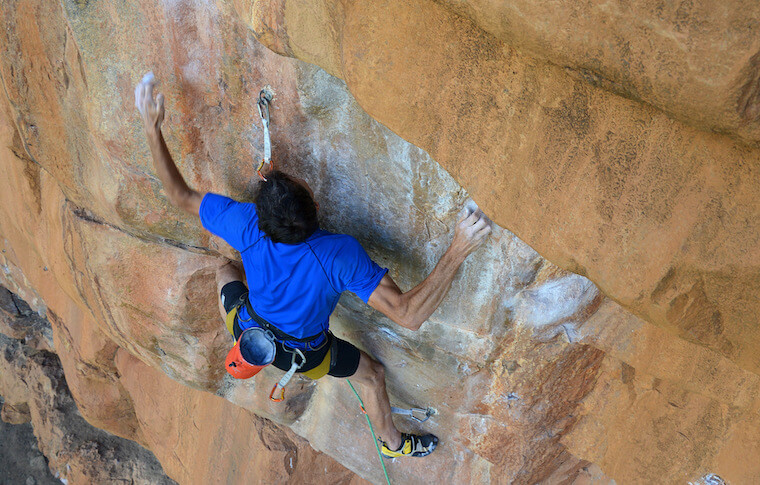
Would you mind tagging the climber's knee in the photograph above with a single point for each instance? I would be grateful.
(227, 273)
(370, 372)
(229, 286)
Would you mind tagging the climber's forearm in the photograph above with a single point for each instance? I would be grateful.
(422, 300)
(412, 308)
(152, 113)
(174, 184)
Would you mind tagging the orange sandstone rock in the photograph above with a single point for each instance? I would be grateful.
(699, 62)
(534, 374)
(661, 216)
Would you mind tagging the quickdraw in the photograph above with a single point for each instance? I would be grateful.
(417, 414)
(288, 375)
(265, 98)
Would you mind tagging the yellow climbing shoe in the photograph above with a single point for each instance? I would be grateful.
(411, 445)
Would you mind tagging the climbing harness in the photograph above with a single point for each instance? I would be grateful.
(281, 336)
(288, 375)
(278, 335)
(265, 99)
(260, 347)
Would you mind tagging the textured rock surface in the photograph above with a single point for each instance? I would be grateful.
(20, 322)
(34, 389)
(534, 373)
(178, 430)
(20, 459)
(699, 61)
(661, 216)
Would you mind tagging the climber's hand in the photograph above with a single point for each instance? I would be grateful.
(471, 231)
(152, 111)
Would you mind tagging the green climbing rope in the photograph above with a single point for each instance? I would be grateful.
(372, 430)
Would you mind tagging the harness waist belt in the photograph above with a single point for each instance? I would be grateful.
(276, 331)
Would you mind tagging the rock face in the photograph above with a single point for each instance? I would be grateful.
(34, 389)
(20, 458)
(661, 216)
(646, 372)
(698, 62)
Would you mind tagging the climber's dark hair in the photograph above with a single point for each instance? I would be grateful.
(287, 212)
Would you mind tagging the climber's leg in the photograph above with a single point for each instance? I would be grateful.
(371, 376)
(228, 273)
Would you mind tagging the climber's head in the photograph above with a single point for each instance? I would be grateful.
(286, 207)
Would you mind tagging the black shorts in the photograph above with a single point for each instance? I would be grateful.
(344, 359)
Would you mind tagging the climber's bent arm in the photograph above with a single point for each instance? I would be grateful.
(412, 308)
(175, 186)
(152, 113)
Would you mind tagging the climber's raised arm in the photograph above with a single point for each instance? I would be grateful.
(152, 113)
(412, 308)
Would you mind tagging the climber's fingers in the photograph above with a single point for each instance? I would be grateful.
(149, 80)
(144, 93)
(139, 94)
(151, 111)
(160, 107)
(483, 231)
(467, 218)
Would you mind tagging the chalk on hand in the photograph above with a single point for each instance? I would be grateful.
(146, 80)
(470, 207)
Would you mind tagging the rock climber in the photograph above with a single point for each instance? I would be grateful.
(297, 271)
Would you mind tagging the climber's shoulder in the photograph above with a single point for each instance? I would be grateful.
(234, 221)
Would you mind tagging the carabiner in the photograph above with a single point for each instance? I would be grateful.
(414, 413)
(288, 375)
(263, 104)
(261, 165)
(282, 393)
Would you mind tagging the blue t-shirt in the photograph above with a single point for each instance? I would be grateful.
(293, 286)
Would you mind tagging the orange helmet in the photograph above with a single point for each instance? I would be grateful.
(254, 350)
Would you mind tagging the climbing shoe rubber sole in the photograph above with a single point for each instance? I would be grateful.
(412, 445)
